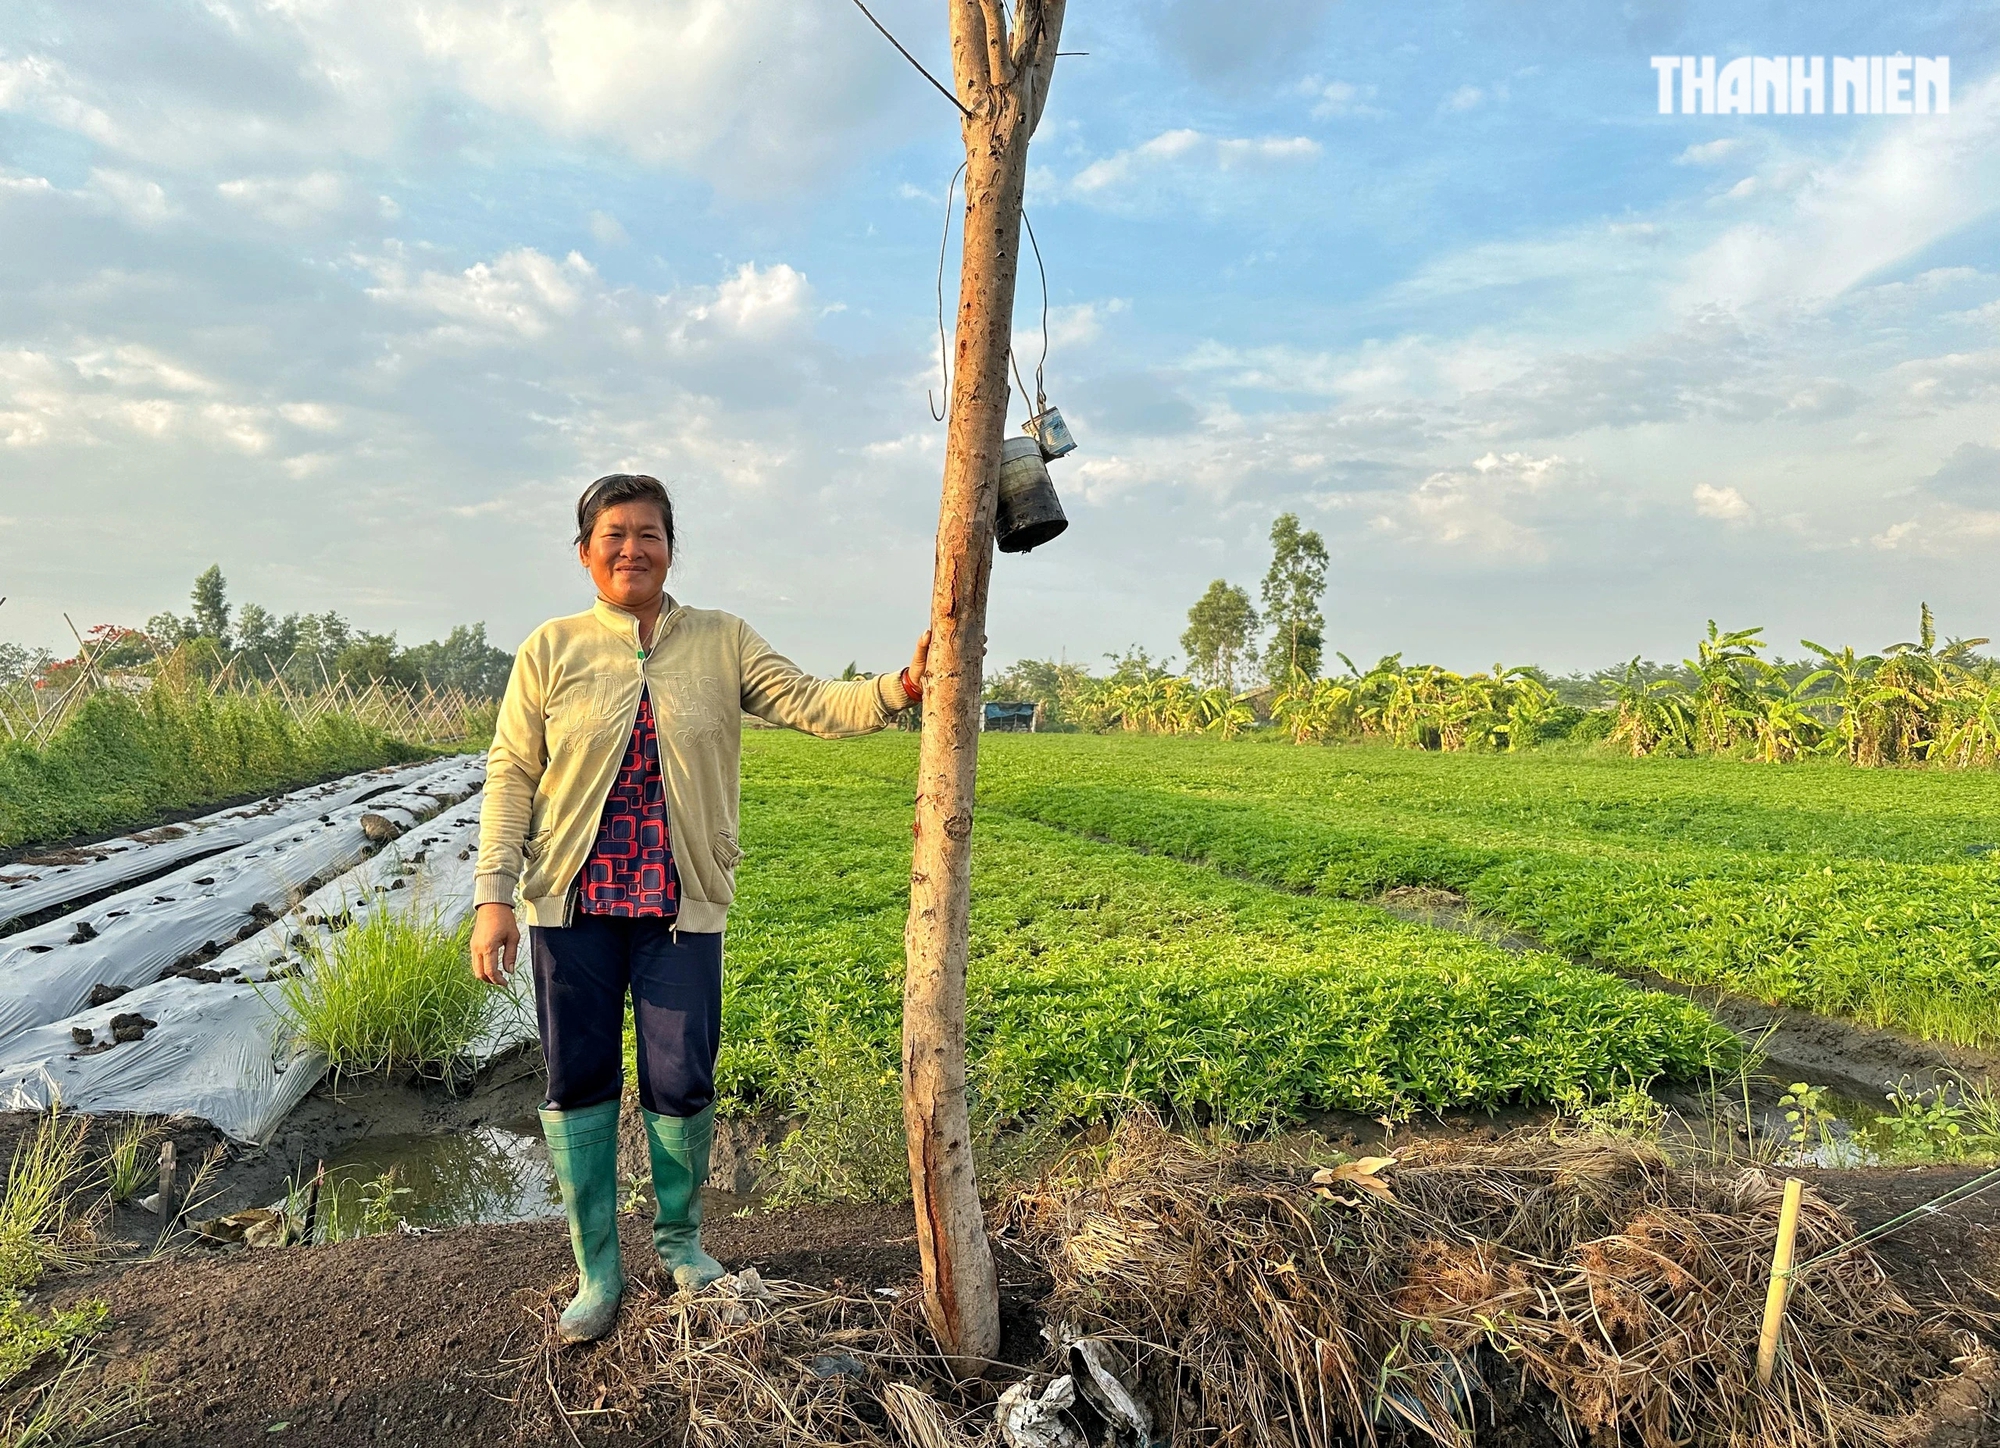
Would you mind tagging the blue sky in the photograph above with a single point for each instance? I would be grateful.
(352, 300)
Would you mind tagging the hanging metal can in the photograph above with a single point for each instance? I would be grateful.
(1049, 429)
(1030, 513)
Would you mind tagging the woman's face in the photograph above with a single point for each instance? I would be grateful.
(627, 553)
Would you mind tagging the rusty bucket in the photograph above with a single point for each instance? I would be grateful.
(1030, 513)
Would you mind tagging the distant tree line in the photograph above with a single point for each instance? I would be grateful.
(301, 650)
(1925, 700)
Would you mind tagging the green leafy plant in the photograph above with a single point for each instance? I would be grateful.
(371, 1207)
(1809, 1118)
(1953, 1120)
(25, 1335)
(849, 1143)
(1627, 1110)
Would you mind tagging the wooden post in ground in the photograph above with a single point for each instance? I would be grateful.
(1001, 82)
(169, 1197)
(1780, 1289)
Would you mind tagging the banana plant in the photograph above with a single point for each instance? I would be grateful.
(1853, 681)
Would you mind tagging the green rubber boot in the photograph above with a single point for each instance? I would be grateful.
(679, 1148)
(583, 1147)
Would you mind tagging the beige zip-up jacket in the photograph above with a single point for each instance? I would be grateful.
(566, 722)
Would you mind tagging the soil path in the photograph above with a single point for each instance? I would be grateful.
(414, 1340)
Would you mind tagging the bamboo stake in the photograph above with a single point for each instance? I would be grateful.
(1781, 1282)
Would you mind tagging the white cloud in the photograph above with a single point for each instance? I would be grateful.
(288, 201)
(1340, 98)
(1827, 226)
(133, 367)
(1082, 323)
(1498, 505)
(605, 228)
(312, 416)
(522, 292)
(1724, 503)
(1188, 150)
(1465, 98)
(1710, 153)
(140, 199)
(757, 96)
(759, 302)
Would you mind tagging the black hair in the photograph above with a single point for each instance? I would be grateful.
(614, 488)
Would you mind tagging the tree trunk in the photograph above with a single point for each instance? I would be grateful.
(1001, 83)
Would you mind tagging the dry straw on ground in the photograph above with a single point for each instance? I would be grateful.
(1583, 1282)
(777, 1363)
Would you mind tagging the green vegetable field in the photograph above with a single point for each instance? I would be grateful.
(1102, 975)
(1867, 893)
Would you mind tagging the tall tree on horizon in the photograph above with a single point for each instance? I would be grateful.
(1220, 627)
(1292, 591)
(210, 597)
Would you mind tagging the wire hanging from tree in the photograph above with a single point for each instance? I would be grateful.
(944, 347)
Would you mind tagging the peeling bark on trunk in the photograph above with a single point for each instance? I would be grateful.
(1002, 82)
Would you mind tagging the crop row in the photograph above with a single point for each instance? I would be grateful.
(1868, 894)
(1099, 975)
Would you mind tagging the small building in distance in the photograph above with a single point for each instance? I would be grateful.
(1023, 718)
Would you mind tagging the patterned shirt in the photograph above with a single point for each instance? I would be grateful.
(631, 867)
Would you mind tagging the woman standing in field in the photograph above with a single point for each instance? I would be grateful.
(611, 798)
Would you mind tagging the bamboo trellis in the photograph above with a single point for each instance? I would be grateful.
(32, 713)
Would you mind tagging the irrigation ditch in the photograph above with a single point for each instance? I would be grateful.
(1855, 1066)
(435, 1331)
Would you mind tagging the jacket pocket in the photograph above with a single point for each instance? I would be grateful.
(728, 853)
(534, 863)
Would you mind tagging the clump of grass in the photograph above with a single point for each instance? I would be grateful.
(391, 991)
(39, 1229)
(71, 1407)
(127, 1165)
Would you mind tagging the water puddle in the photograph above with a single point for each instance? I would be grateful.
(459, 1179)
(445, 1179)
(1837, 1131)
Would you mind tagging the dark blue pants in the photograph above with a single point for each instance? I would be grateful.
(583, 973)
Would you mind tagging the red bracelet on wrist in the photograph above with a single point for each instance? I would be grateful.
(910, 691)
